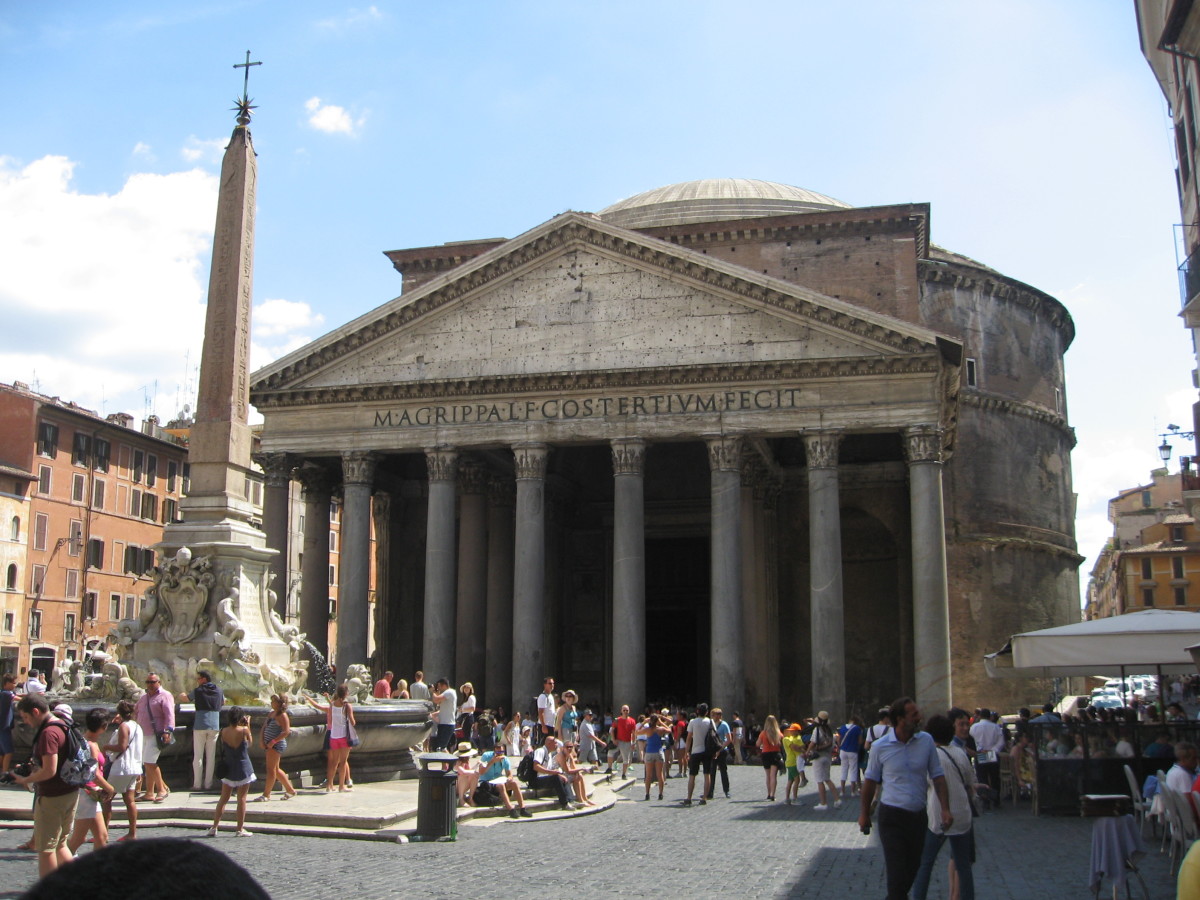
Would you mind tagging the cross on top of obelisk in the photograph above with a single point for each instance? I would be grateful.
(243, 104)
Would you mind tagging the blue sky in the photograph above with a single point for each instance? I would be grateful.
(1035, 129)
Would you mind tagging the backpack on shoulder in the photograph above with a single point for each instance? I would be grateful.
(525, 770)
(76, 765)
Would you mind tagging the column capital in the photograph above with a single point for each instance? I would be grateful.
(441, 463)
(531, 460)
(472, 478)
(381, 506)
(724, 452)
(821, 448)
(628, 456)
(501, 492)
(358, 466)
(923, 444)
(315, 480)
(277, 467)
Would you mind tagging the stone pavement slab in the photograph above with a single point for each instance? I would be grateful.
(745, 845)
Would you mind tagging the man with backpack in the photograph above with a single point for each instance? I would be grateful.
(54, 807)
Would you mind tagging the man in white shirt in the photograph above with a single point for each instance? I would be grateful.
(34, 684)
(446, 699)
(547, 709)
(1183, 773)
(550, 773)
(698, 756)
(989, 739)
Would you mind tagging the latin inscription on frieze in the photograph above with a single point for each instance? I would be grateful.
(558, 408)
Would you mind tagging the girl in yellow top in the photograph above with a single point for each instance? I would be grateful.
(793, 749)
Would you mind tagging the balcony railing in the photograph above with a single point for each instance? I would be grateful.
(1189, 277)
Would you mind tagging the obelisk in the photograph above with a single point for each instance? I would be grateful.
(232, 624)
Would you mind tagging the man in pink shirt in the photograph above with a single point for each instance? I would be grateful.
(383, 687)
(155, 713)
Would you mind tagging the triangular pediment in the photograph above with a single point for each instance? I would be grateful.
(576, 295)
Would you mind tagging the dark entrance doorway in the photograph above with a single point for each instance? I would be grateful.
(677, 620)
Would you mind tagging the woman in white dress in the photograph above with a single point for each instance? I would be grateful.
(126, 754)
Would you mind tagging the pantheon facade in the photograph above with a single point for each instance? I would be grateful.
(727, 440)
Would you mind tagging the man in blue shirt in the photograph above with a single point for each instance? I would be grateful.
(498, 780)
(903, 762)
(721, 760)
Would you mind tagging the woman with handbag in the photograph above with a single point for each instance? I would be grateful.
(273, 740)
(960, 785)
(234, 743)
(340, 736)
(126, 754)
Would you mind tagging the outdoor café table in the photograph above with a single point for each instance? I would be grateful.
(1116, 845)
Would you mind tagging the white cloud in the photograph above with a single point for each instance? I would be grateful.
(277, 326)
(331, 119)
(352, 19)
(144, 151)
(196, 150)
(102, 294)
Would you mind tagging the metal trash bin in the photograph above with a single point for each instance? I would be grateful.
(437, 798)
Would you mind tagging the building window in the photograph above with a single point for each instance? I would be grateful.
(138, 560)
(72, 584)
(1180, 596)
(187, 477)
(135, 503)
(47, 439)
(1147, 596)
(333, 541)
(1147, 569)
(332, 576)
(69, 627)
(169, 509)
(149, 507)
(103, 455)
(139, 465)
(151, 470)
(114, 606)
(41, 522)
(333, 511)
(35, 625)
(1176, 566)
(39, 579)
(10, 622)
(98, 494)
(78, 486)
(130, 606)
(10, 580)
(1181, 151)
(75, 544)
(95, 557)
(81, 449)
(90, 602)
(972, 373)
(15, 532)
(1147, 500)
(44, 482)
(172, 474)
(1058, 400)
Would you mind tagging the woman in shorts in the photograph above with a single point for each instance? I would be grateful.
(339, 717)
(274, 737)
(89, 817)
(770, 746)
(656, 736)
(126, 753)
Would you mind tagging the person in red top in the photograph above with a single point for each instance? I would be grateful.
(622, 730)
(54, 808)
(383, 687)
(679, 733)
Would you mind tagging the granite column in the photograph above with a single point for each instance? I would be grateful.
(629, 573)
(499, 637)
(314, 569)
(827, 627)
(437, 652)
(472, 579)
(728, 668)
(529, 575)
(358, 472)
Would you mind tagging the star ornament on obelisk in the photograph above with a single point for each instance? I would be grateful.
(244, 106)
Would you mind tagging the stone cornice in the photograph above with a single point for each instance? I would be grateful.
(992, 403)
(966, 277)
(928, 363)
(982, 540)
(573, 229)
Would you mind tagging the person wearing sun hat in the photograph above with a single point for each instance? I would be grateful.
(467, 770)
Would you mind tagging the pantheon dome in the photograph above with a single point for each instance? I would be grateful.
(714, 200)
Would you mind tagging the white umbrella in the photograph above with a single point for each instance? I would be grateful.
(1140, 641)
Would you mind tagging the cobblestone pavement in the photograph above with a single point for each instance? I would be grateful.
(744, 845)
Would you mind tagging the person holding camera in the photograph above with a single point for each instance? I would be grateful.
(54, 807)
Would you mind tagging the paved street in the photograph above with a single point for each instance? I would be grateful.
(744, 845)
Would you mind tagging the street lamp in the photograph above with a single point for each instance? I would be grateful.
(1172, 432)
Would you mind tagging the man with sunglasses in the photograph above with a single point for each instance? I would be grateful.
(155, 714)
